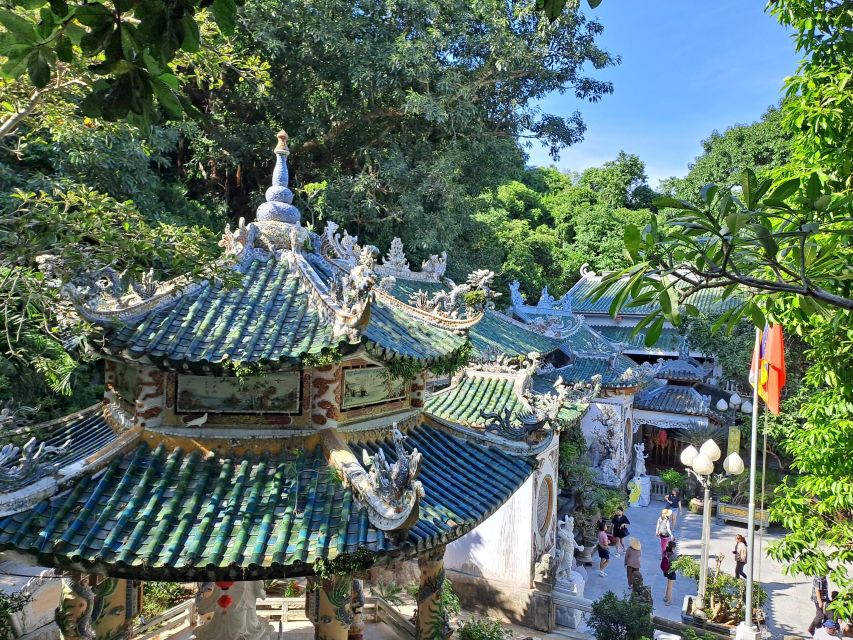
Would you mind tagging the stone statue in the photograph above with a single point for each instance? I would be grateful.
(640, 459)
(566, 546)
(544, 571)
(234, 609)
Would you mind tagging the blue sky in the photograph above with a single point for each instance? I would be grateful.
(688, 67)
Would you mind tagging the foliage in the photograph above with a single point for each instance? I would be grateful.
(483, 629)
(284, 588)
(453, 362)
(615, 618)
(157, 597)
(325, 357)
(576, 478)
(345, 564)
(585, 523)
(391, 592)
(725, 594)
(607, 500)
(672, 478)
(762, 146)
(737, 487)
(449, 600)
(128, 49)
(819, 104)
(10, 604)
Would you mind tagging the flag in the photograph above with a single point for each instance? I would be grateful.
(768, 366)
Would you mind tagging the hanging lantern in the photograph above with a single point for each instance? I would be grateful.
(225, 601)
(224, 585)
(662, 437)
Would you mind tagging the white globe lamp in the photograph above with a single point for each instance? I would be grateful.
(735, 399)
(710, 450)
(746, 407)
(733, 464)
(703, 465)
(688, 455)
(722, 405)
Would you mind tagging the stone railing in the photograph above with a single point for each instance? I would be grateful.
(276, 610)
(658, 488)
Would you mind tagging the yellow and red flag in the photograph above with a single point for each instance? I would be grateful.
(768, 366)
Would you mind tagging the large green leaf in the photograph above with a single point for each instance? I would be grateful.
(225, 14)
(18, 26)
(38, 67)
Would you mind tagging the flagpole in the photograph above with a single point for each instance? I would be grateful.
(746, 630)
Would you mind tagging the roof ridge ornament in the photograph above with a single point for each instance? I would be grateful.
(449, 304)
(29, 463)
(279, 207)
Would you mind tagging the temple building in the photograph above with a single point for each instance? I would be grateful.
(273, 421)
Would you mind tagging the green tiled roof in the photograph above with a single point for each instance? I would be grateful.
(465, 402)
(266, 319)
(496, 331)
(672, 399)
(583, 368)
(706, 300)
(182, 516)
(668, 342)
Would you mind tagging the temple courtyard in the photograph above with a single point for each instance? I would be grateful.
(788, 609)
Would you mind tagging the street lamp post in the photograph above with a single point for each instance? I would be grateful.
(701, 465)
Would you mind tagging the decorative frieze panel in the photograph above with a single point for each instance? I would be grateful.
(270, 393)
(371, 386)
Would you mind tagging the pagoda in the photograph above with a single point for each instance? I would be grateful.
(271, 422)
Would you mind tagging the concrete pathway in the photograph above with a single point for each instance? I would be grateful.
(789, 608)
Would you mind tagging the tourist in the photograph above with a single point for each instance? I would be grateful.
(740, 556)
(603, 550)
(632, 561)
(829, 629)
(668, 571)
(620, 529)
(663, 530)
(673, 501)
(820, 595)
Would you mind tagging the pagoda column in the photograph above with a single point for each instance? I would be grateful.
(432, 622)
(325, 410)
(419, 389)
(329, 606)
(74, 615)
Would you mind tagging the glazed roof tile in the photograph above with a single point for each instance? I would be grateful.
(706, 300)
(267, 318)
(183, 516)
(668, 342)
(496, 331)
(465, 402)
(615, 371)
(672, 399)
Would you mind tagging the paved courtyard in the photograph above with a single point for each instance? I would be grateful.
(789, 609)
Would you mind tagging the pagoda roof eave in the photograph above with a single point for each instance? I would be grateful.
(160, 514)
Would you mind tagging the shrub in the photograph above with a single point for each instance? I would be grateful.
(724, 593)
(615, 618)
(449, 599)
(157, 597)
(483, 629)
(391, 592)
(293, 590)
(607, 500)
(673, 479)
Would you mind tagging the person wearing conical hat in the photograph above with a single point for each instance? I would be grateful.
(633, 554)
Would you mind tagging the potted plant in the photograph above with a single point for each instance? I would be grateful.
(672, 479)
(585, 523)
(724, 597)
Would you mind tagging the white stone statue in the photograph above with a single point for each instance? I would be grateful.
(640, 459)
(566, 546)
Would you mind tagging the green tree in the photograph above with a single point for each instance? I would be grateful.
(619, 183)
(761, 146)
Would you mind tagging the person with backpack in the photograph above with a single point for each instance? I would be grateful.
(740, 556)
(663, 530)
(668, 571)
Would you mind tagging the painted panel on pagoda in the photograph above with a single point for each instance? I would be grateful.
(114, 608)
(151, 397)
(269, 393)
(370, 386)
(126, 381)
